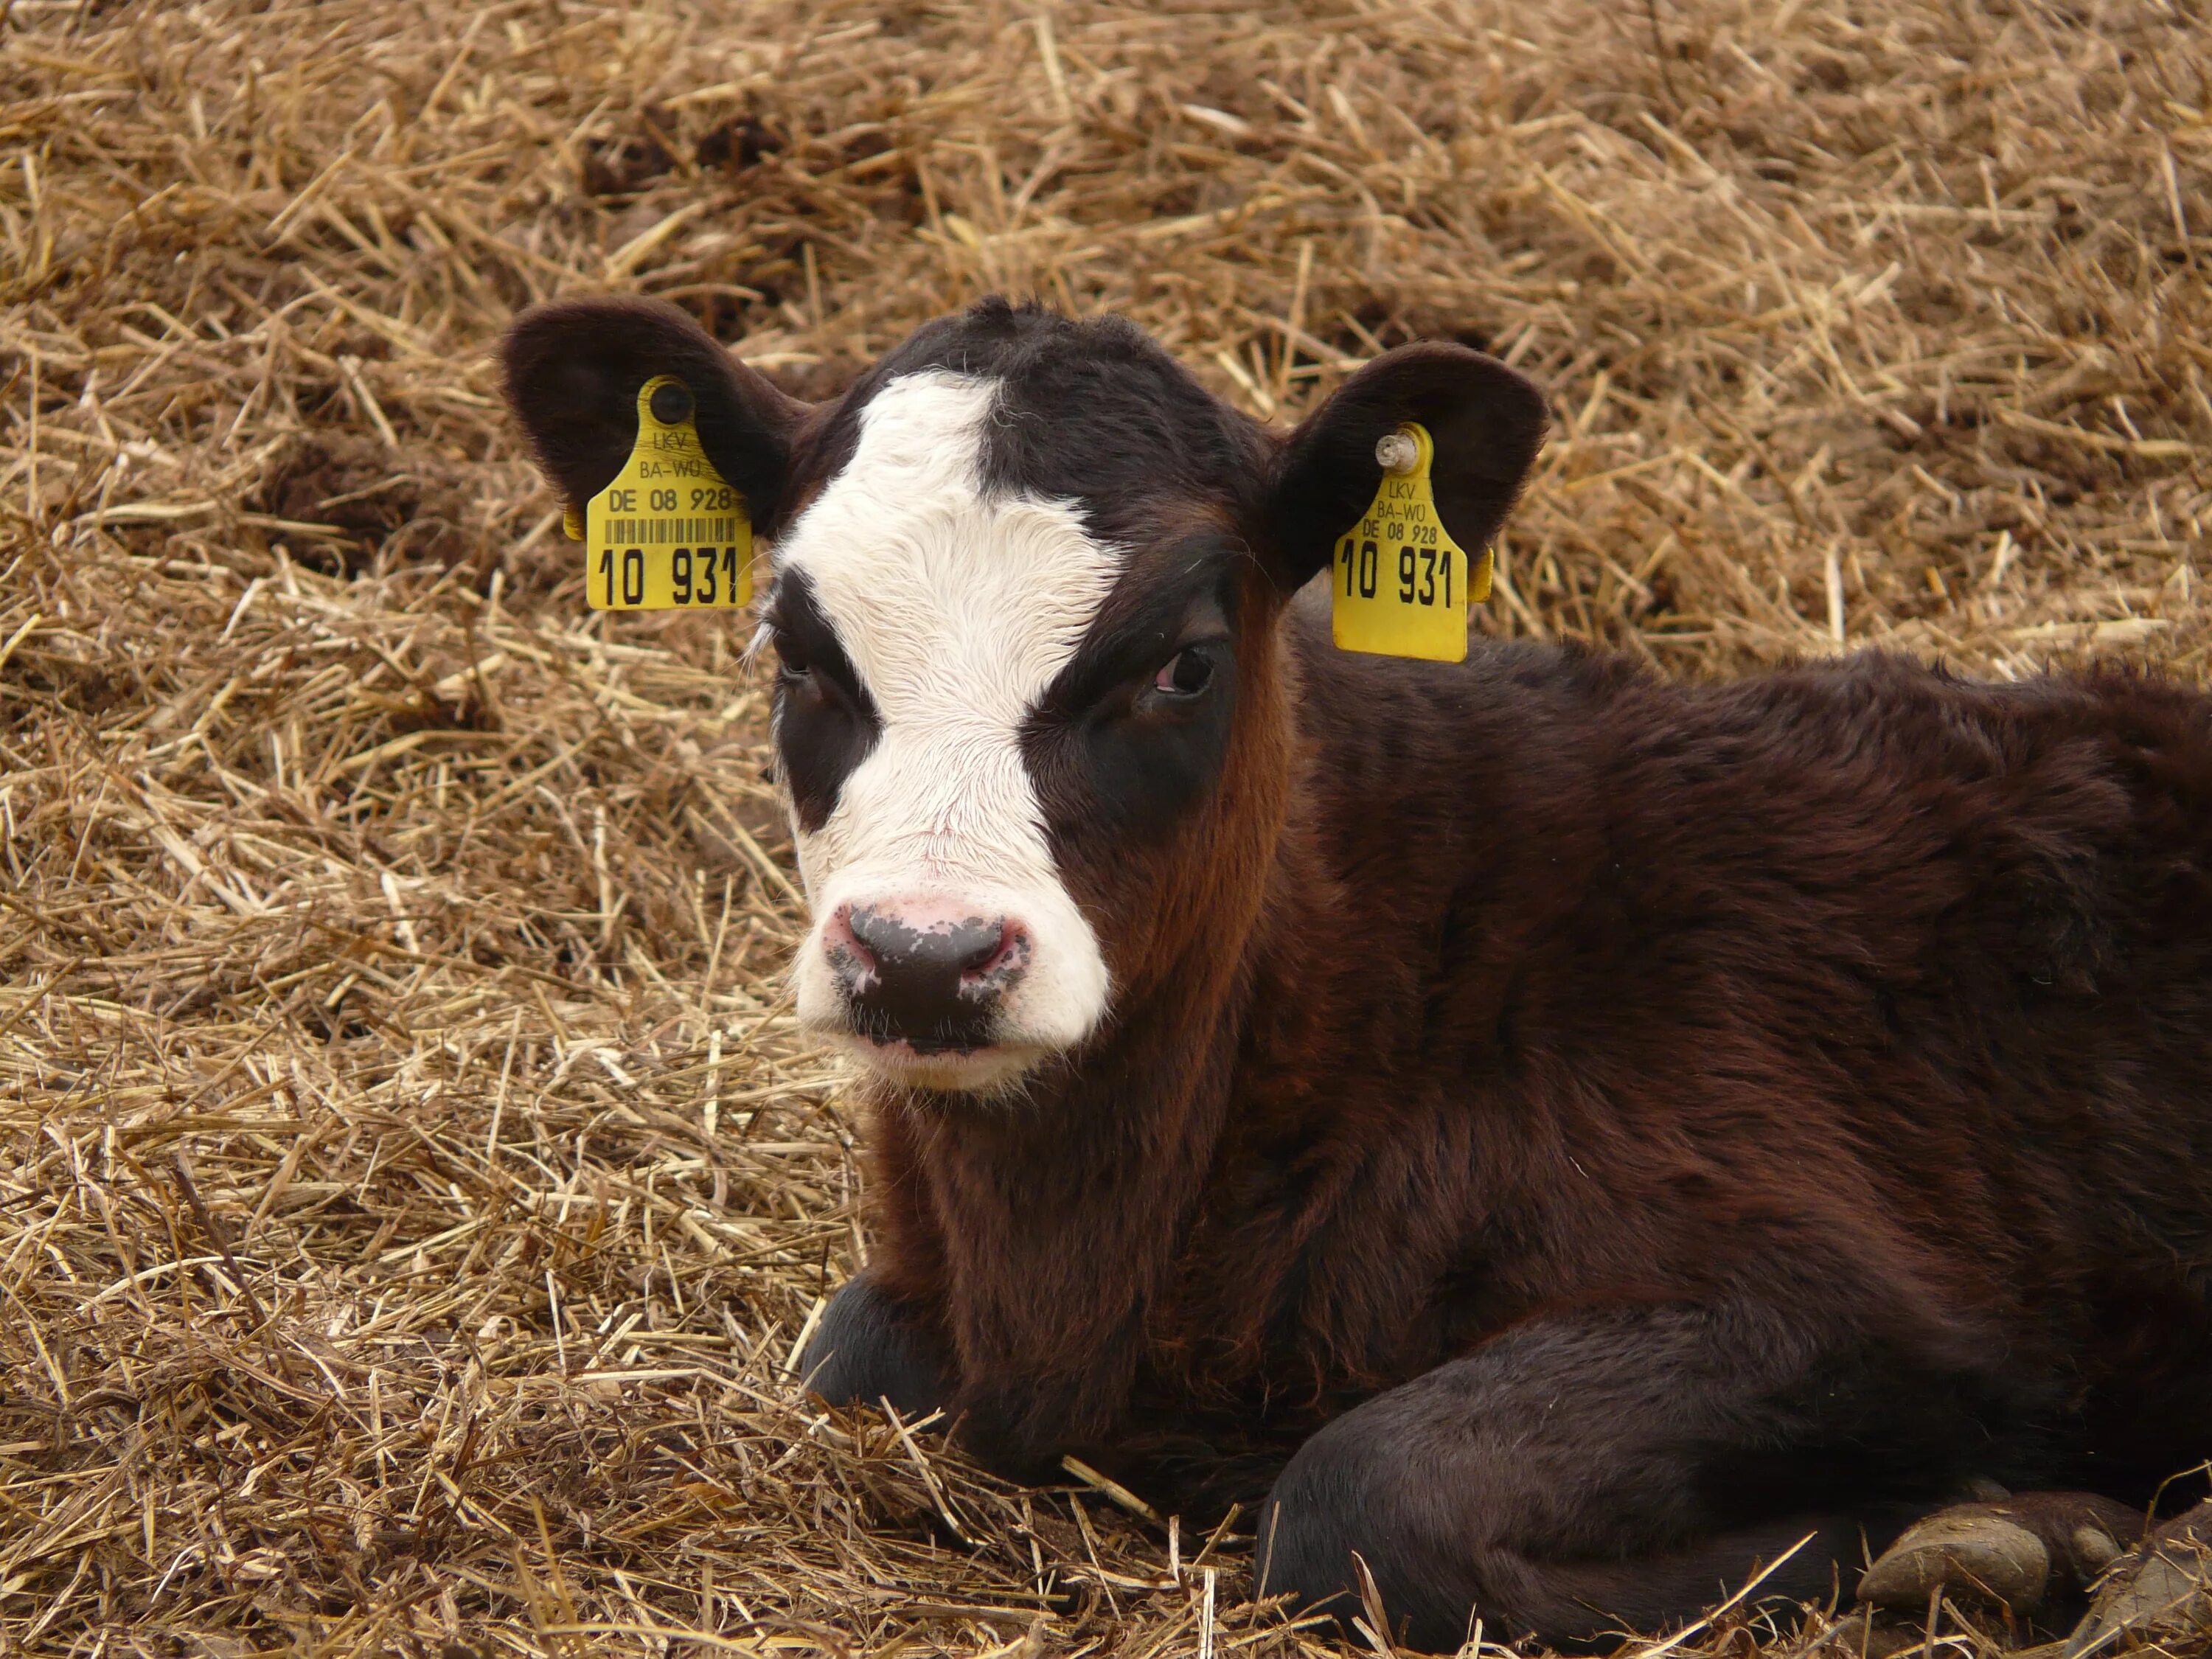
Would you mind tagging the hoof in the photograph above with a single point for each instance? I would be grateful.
(2165, 1585)
(2093, 1549)
(1975, 1552)
(2024, 1553)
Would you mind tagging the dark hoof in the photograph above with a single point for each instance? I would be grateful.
(869, 1349)
(1968, 1555)
(2165, 1586)
(2020, 1554)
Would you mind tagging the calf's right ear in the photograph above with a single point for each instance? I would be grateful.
(573, 368)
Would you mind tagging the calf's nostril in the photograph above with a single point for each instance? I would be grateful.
(989, 946)
(1006, 948)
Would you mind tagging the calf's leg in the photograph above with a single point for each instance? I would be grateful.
(871, 1348)
(1621, 1470)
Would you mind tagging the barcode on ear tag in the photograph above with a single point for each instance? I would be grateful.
(669, 533)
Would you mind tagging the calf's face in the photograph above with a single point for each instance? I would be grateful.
(1025, 578)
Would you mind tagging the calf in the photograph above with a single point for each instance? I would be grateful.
(1557, 1137)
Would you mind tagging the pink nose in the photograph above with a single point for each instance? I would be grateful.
(925, 972)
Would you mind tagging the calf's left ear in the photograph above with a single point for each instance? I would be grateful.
(574, 370)
(1486, 421)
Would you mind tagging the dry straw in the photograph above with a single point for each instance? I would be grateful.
(413, 1184)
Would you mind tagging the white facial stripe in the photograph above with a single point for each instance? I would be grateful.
(958, 611)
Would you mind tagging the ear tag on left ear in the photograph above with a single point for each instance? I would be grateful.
(1400, 584)
(669, 533)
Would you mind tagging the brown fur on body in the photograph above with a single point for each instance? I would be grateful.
(1870, 1002)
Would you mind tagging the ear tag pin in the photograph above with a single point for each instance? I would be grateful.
(1399, 583)
(669, 533)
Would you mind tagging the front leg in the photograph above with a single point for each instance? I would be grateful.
(870, 1348)
(1610, 1471)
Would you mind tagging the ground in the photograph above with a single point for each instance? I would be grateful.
(412, 1187)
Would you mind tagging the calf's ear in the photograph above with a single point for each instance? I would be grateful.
(1486, 420)
(573, 368)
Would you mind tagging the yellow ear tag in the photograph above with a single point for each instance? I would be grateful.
(668, 534)
(1400, 583)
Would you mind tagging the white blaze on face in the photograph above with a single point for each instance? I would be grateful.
(957, 610)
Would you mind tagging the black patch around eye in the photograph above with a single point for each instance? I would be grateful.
(1130, 768)
(825, 722)
(1111, 755)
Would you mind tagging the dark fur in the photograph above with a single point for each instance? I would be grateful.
(1572, 1135)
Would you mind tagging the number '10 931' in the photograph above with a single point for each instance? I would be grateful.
(1424, 574)
(698, 575)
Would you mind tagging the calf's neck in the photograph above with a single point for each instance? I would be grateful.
(1556, 1136)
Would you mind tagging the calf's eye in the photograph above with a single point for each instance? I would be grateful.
(1183, 675)
(790, 658)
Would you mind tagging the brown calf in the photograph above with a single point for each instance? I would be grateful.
(1558, 1136)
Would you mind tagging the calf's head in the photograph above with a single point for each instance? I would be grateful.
(1031, 701)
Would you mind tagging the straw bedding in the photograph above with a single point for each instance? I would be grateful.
(412, 1185)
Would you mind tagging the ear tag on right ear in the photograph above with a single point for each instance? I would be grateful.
(1400, 584)
(669, 533)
